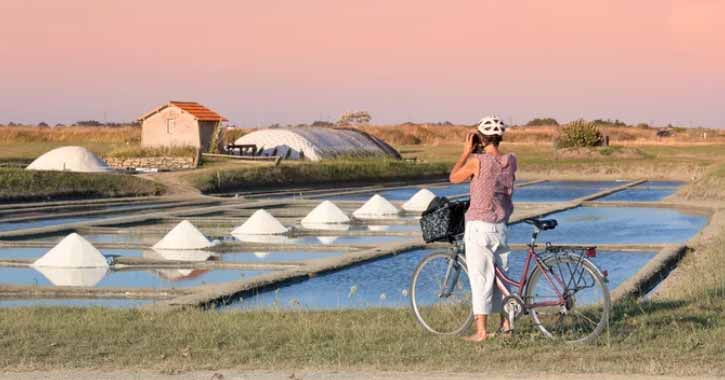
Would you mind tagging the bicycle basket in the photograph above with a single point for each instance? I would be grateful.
(443, 220)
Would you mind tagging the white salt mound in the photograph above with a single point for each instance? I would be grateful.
(184, 236)
(327, 213)
(70, 158)
(260, 223)
(73, 252)
(261, 255)
(420, 201)
(376, 207)
(73, 276)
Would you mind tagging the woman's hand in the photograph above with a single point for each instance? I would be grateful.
(468, 145)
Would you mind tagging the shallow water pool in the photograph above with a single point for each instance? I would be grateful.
(385, 282)
(616, 225)
(100, 277)
(646, 192)
(276, 256)
(40, 223)
(35, 253)
(552, 191)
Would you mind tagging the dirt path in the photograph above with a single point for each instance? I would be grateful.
(320, 375)
(174, 185)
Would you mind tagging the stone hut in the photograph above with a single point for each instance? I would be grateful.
(180, 124)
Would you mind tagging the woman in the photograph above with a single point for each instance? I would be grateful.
(492, 177)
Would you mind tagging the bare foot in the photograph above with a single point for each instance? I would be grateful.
(479, 337)
(476, 337)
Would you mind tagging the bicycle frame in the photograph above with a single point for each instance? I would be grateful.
(502, 280)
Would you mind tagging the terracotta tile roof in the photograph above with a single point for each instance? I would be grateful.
(200, 112)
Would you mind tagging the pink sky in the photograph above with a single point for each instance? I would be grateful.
(295, 61)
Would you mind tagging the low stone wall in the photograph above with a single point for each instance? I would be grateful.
(170, 163)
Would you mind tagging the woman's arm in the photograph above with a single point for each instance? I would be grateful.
(465, 168)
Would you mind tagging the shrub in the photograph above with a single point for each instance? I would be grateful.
(231, 135)
(579, 134)
(542, 121)
(355, 118)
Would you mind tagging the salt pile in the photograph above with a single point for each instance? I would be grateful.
(86, 277)
(420, 201)
(327, 213)
(70, 158)
(376, 207)
(260, 223)
(378, 228)
(184, 236)
(73, 252)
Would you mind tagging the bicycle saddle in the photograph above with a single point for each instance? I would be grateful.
(543, 224)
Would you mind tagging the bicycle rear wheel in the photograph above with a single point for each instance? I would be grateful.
(584, 314)
(440, 294)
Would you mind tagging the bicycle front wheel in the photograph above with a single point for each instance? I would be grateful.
(440, 294)
(583, 311)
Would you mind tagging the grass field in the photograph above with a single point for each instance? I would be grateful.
(678, 336)
(21, 185)
(680, 332)
(215, 178)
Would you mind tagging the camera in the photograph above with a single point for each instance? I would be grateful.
(477, 143)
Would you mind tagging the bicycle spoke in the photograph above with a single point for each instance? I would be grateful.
(441, 314)
(582, 315)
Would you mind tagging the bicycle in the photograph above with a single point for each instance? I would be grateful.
(565, 294)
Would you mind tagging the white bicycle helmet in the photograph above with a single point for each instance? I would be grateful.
(492, 126)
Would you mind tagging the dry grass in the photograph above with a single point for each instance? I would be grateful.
(672, 337)
(23, 185)
(71, 135)
(137, 151)
(435, 135)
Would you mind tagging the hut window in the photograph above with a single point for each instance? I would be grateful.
(170, 124)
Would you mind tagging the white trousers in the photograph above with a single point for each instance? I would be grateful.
(486, 244)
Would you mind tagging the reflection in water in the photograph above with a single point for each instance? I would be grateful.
(327, 240)
(86, 277)
(265, 239)
(180, 274)
(178, 255)
(326, 226)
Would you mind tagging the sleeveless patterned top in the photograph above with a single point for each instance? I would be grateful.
(492, 188)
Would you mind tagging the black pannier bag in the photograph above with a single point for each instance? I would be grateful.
(443, 220)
